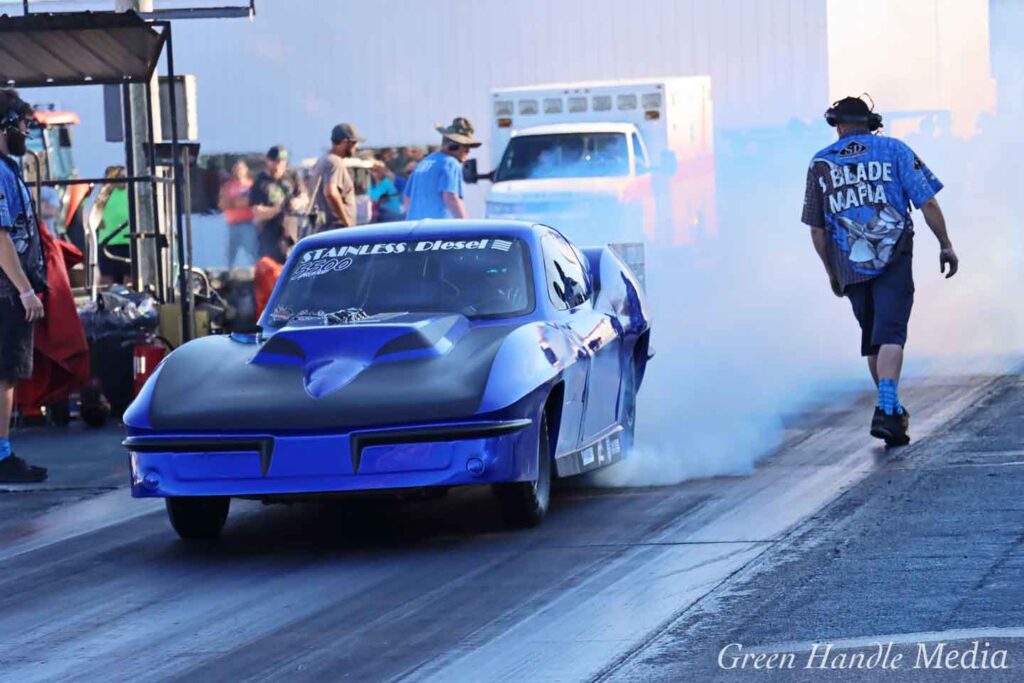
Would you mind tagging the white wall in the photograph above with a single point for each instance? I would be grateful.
(913, 55)
(397, 68)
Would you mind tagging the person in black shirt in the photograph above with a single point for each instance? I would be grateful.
(272, 197)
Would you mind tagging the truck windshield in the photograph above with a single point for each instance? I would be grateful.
(565, 155)
(483, 277)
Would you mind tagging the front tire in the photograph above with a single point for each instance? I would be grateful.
(525, 503)
(198, 518)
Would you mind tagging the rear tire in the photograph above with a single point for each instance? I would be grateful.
(628, 419)
(198, 518)
(525, 503)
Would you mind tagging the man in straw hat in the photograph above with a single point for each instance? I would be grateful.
(434, 189)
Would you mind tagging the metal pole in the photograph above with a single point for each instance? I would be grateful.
(157, 225)
(179, 207)
(186, 179)
(147, 252)
(129, 164)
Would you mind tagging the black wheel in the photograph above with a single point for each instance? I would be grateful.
(524, 503)
(628, 419)
(200, 517)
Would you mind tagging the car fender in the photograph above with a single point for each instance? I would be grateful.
(533, 356)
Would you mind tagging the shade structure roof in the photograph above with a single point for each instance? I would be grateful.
(76, 48)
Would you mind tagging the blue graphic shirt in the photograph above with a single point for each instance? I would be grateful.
(18, 219)
(859, 190)
(437, 173)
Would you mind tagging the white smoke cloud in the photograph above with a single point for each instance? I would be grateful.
(747, 330)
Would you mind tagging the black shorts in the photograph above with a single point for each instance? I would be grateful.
(15, 341)
(882, 305)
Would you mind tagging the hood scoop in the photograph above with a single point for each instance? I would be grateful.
(333, 355)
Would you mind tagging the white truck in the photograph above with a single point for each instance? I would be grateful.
(606, 162)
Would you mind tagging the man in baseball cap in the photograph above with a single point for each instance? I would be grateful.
(336, 194)
(272, 196)
(434, 189)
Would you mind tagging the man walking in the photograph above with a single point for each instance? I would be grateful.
(857, 204)
(434, 189)
(22, 279)
(336, 197)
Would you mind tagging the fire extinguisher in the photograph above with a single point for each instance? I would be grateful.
(147, 353)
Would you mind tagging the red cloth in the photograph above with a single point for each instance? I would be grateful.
(61, 360)
(267, 272)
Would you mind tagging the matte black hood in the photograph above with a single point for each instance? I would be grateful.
(382, 371)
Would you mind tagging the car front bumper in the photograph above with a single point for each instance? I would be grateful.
(366, 460)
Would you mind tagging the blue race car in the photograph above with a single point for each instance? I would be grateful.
(403, 356)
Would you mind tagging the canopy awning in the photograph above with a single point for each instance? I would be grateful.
(77, 48)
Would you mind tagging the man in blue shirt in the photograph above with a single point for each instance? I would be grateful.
(434, 189)
(858, 203)
(22, 279)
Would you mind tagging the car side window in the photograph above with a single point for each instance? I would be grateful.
(567, 282)
(639, 156)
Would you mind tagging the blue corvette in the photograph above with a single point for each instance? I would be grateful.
(403, 356)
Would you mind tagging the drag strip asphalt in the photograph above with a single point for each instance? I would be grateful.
(425, 590)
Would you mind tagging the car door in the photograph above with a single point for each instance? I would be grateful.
(575, 374)
(594, 334)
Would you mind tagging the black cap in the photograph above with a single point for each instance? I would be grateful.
(12, 107)
(854, 111)
(345, 131)
(277, 153)
(851, 108)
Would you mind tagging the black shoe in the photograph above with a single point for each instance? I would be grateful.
(891, 428)
(14, 470)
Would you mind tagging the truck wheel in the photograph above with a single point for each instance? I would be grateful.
(524, 503)
(200, 517)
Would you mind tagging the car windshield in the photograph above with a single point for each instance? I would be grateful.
(566, 155)
(482, 277)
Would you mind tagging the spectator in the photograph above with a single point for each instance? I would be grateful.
(49, 209)
(336, 198)
(386, 155)
(435, 188)
(296, 222)
(402, 179)
(22, 279)
(233, 200)
(114, 233)
(384, 194)
(273, 194)
(268, 270)
(400, 161)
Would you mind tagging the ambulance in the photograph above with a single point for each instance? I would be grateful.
(606, 162)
